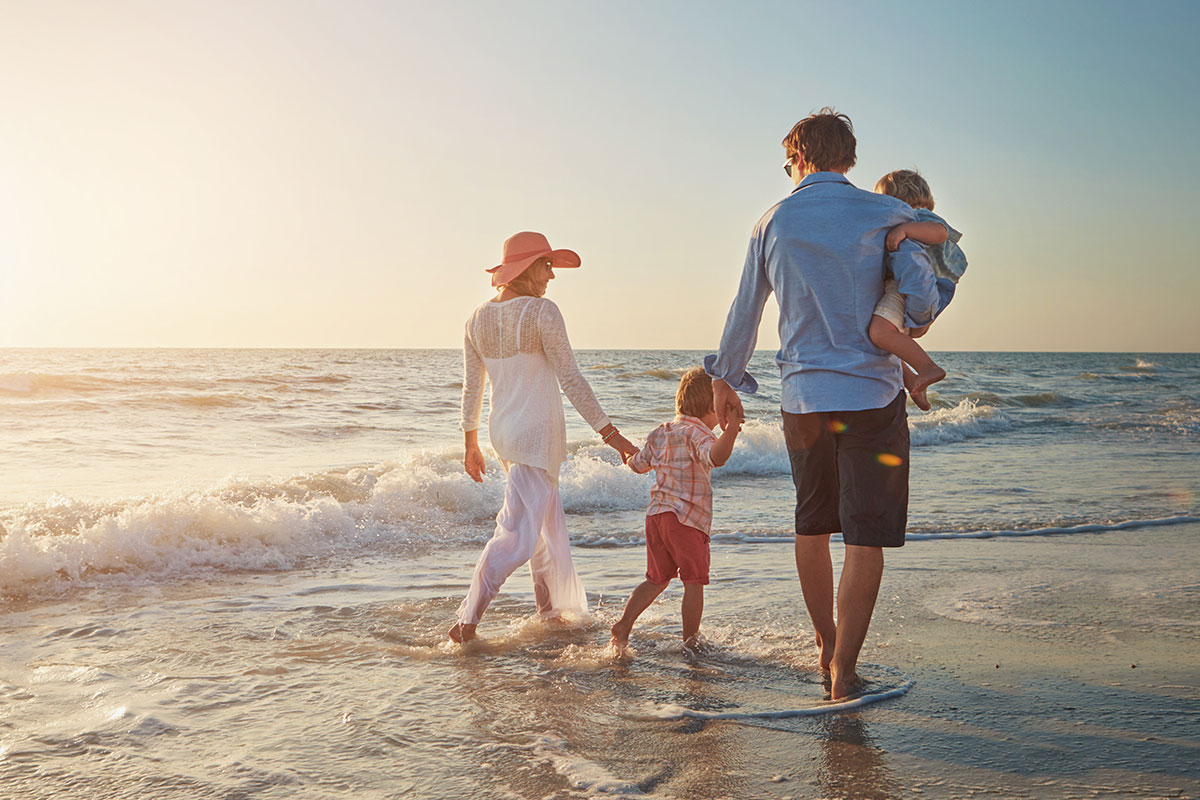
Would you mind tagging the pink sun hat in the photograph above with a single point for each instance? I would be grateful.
(522, 249)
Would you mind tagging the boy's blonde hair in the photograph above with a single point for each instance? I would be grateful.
(694, 397)
(907, 185)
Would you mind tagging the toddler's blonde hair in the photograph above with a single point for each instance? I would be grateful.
(694, 397)
(906, 185)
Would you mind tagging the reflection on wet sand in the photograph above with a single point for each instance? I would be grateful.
(850, 763)
(566, 713)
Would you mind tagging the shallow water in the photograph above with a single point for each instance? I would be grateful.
(337, 682)
(229, 573)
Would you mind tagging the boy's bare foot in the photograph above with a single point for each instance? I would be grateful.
(921, 381)
(843, 686)
(461, 632)
(620, 637)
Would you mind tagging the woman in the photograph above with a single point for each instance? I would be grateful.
(519, 339)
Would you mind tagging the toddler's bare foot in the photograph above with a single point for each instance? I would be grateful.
(922, 381)
(461, 632)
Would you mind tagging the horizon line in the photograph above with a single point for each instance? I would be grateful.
(576, 349)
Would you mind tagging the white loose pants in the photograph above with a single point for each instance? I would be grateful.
(530, 527)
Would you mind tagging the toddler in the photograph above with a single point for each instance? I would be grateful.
(887, 329)
(682, 454)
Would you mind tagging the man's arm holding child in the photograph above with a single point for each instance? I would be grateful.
(927, 233)
(723, 447)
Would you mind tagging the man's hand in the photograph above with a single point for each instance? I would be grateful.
(894, 237)
(737, 416)
(726, 402)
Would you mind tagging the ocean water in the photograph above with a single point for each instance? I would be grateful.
(228, 573)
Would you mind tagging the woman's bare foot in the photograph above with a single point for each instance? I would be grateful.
(461, 632)
(697, 644)
(918, 382)
(843, 686)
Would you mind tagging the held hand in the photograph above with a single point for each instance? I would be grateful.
(626, 448)
(726, 402)
(737, 417)
(894, 237)
(473, 464)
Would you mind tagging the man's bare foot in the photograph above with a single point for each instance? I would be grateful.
(826, 653)
(843, 686)
(921, 381)
(461, 632)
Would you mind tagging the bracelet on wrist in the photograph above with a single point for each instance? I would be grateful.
(614, 432)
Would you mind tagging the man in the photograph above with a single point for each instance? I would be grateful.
(821, 251)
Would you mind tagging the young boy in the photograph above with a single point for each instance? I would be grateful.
(682, 454)
(887, 330)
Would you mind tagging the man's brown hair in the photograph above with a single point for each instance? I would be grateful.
(694, 397)
(825, 139)
(906, 185)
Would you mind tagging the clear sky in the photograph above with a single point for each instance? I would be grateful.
(339, 174)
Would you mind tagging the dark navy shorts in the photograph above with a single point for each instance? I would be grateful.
(850, 469)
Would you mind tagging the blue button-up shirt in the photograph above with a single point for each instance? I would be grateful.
(821, 251)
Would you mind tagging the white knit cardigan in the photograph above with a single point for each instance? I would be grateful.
(521, 345)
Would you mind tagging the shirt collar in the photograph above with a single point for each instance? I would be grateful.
(694, 421)
(822, 177)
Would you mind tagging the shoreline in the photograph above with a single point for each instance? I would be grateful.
(1018, 651)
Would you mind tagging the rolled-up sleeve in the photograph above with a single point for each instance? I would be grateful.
(914, 278)
(741, 326)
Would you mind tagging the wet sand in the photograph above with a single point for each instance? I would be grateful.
(334, 683)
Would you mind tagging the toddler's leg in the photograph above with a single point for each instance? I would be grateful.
(889, 338)
(638, 602)
(693, 609)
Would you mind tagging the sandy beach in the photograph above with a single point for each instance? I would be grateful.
(1042, 667)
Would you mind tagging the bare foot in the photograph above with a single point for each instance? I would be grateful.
(461, 632)
(842, 687)
(620, 637)
(826, 656)
(922, 381)
(697, 644)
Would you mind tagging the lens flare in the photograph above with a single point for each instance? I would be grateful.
(889, 459)
(837, 426)
(1181, 497)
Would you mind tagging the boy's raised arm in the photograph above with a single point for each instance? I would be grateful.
(723, 447)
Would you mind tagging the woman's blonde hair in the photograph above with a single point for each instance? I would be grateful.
(694, 397)
(526, 284)
(907, 185)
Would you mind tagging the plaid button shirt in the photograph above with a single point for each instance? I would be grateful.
(680, 453)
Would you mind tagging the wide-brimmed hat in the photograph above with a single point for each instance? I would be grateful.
(524, 248)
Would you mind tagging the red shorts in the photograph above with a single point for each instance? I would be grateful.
(673, 548)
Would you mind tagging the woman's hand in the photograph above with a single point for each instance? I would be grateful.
(626, 448)
(473, 460)
(473, 464)
(618, 442)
